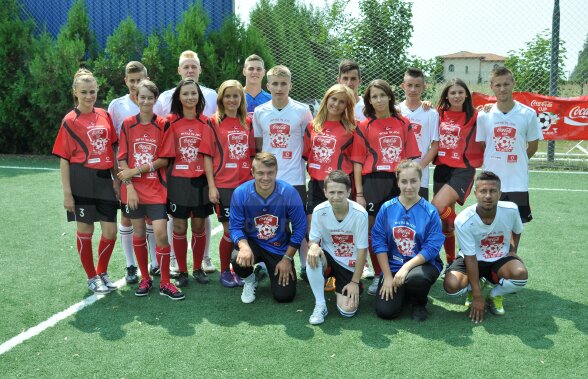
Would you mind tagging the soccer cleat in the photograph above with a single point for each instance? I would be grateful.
(208, 266)
(318, 315)
(182, 279)
(131, 276)
(154, 271)
(227, 279)
(373, 288)
(174, 270)
(171, 291)
(330, 284)
(303, 275)
(238, 280)
(494, 305)
(201, 276)
(97, 286)
(470, 297)
(144, 287)
(107, 282)
(260, 272)
(368, 273)
(248, 294)
(419, 313)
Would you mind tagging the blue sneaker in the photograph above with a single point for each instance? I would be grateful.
(227, 279)
(238, 280)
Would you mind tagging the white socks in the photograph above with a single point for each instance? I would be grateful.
(317, 282)
(505, 286)
(126, 240)
(151, 245)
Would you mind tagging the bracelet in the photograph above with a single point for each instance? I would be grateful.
(355, 282)
(288, 257)
(126, 182)
(140, 170)
(358, 195)
(151, 168)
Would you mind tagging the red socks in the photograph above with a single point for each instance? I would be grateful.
(181, 249)
(140, 247)
(84, 245)
(163, 254)
(104, 252)
(448, 218)
(198, 245)
(226, 250)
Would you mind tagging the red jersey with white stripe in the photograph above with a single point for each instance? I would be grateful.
(141, 144)
(185, 142)
(380, 144)
(234, 146)
(327, 151)
(457, 141)
(87, 138)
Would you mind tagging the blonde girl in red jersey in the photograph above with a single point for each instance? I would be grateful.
(85, 145)
(234, 147)
(187, 143)
(381, 141)
(143, 193)
(457, 158)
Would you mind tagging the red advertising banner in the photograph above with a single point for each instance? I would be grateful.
(560, 118)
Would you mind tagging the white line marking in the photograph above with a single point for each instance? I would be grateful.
(53, 320)
(558, 189)
(29, 168)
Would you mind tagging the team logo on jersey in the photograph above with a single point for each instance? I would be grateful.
(98, 139)
(492, 246)
(189, 148)
(266, 226)
(404, 238)
(417, 129)
(391, 147)
(144, 153)
(448, 135)
(504, 138)
(323, 148)
(279, 135)
(344, 246)
(238, 145)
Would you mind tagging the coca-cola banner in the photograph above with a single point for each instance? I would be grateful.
(560, 118)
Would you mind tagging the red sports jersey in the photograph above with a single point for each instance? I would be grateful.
(87, 138)
(457, 141)
(327, 151)
(380, 144)
(233, 149)
(140, 144)
(185, 142)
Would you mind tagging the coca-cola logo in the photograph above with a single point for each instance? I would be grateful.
(578, 111)
(506, 130)
(535, 103)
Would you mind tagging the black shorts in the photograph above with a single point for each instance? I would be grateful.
(488, 270)
(521, 199)
(424, 193)
(93, 194)
(90, 211)
(223, 208)
(379, 187)
(188, 197)
(302, 192)
(152, 211)
(342, 275)
(460, 179)
(315, 195)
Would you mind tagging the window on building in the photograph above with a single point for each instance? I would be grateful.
(451, 68)
(496, 66)
(467, 69)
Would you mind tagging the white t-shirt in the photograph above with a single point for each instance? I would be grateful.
(340, 239)
(282, 132)
(163, 105)
(487, 242)
(506, 137)
(426, 129)
(121, 108)
(359, 116)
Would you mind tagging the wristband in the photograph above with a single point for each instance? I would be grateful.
(359, 195)
(288, 257)
(126, 182)
(355, 282)
(151, 168)
(140, 170)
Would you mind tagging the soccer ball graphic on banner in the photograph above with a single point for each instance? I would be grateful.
(546, 119)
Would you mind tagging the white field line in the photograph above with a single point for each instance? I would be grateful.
(53, 320)
(29, 168)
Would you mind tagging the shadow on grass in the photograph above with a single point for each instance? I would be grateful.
(530, 316)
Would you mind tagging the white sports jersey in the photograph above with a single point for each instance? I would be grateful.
(340, 239)
(282, 132)
(163, 105)
(487, 242)
(426, 130)
(506, 137)
(359, 116)
(121, 108)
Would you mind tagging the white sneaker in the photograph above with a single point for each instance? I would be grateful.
(368, 273)
(107, 282)
(208, 266)
(373, 288)
(248, 294)
(319, 314)
(96, 285)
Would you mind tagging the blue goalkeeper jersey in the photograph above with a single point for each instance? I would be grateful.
(402, 233)
(267, 220)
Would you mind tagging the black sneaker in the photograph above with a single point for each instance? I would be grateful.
(303, 275)
(154, 271)
(201, 276)
(260, 273)
(144, 287)
(419, 313)
(171, 291)
(131, 276)
(182, 279)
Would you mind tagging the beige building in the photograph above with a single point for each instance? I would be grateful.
(470, 67)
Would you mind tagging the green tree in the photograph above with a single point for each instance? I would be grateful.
(580, 73)
(531, 65)
(125, 44)
(77, 27)
(153, 61)
(15, 50)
